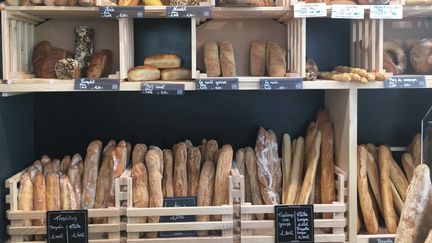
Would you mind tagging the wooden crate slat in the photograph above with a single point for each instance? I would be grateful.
(318, 208)
(269, 224)
(41, 230)
(186, 239)
(217, 210)
(179, 226)
(318, 238)
(92, 213)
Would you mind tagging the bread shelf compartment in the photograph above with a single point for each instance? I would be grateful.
(21, 31)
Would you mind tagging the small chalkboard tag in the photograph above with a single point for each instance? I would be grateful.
(101, 84)
(188, 11)
(280, 83)
(67, 226)
(382, 240)
(397, 82)
(217, 84)
(162, 89)
(121, 12)
(178, 202)
(294, 223)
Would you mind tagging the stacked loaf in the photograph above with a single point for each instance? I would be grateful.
(382, 183)
(347, 74)
(267, 57)
(160, 66)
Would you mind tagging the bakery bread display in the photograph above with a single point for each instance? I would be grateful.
(420, 56)
(347, 74)
(50, 61)
(393, 49)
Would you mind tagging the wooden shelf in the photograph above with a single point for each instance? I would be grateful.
(58, 12)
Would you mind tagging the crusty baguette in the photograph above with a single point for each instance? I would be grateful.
(370, 218)
(296, 171)
(52, 191)
(203, 147)
(65, 164)
(168, 188)
(56, 165)
(323, 117)
(397, 200)
(140, 188)
(398, 178)
(76, 159)
(286, 166)
(211, 148)
(373, 150)
(205, 191)
(90, 174)
(408, 165)
(45, 159)
(240, 159)
(311, 161)
(39, 197)
(429, 238)
(415, 149)
(415, 221)
(111, 143)
(116, 168)
(310, 138)
(160, 154)
(74, 174)
(251, 168)
(193, 170)
(188, 143)
(25, 196)
(180, 171)
(374, 179)
(38, 165)
(390, 217)
(67, 199)
(328, 191)
(223, 169)
(138, 153)
(155, 185)
(102, 186)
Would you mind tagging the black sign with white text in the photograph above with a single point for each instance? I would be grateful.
(382, 240)
(281, 83)
(100, 84)
(121, 12)
(294, 223)
(178, 202)
(397, 82)
(162, 89)
(188, 11)
(217, 84)
(69, 226)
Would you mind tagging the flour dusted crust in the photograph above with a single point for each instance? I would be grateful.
(205, 191)
(193, 170)
(180, 171)
(223, 169)
(168, 175)
(90, 174)
(143, 73)
(163, 61)
(153, 164)
(390, 217)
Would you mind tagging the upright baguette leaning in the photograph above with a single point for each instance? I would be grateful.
(296, 171)
(68, 199)
(205, 191)
(223, 169)
(251, 168)
(398, 178)
(397, 200)
(240, 159)
(328, 194)
(390, 217)
(90, 174)
(408, 165)
(211, 148)
(140, 187)
(374, 179)
(138, 153)
(25, 196)
(370, 218)
(167, 179)
(75, 175)
(415, 221)
(102, 186)
(39, 197)
(193, 170)
(415, 149)
(155, 184)
(52, 191)
(180, 171)
(116, 169)
(286, 165)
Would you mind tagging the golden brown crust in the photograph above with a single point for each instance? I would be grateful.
(143, 73)
(90, 174)
(48, 65)
(163, 61)
(286, 166)
(211, 148)
(25, 196)
(193, 170)
(168, 175)
(386, 194)
(65, 164)
(75, 176)
(140, 187)
(205, 191)
(211, 59)
(296, 170)
(415, 149)
(180, 171)
(251, 169)
(99, 64)
(39, 197)
(138, 153)
(328, 194)
(223, 169)
(398, 178)
(153, 163)
(240, 159)
(116, 169)
(102, 187)
(408, 165)
(40, 51)
(227, 60)
(52, 191)
(176, 74)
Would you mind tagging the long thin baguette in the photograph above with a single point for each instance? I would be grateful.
(102, 186)
(390, 217)
(39, 197)
(223, 169)
(286, 165)
(250, 162)
(140, 187)
(25, 196)
(138, 153)
(167, 181)
(374, 179)
(240, 154)
(415, 149)
(397, 200)
(90, 174)
(398, 178)
(153, 162)
(205, 191)
(408, 165)
(180, 171)
(296, 171)
(328, 191)
(193, 170)
(211, 148)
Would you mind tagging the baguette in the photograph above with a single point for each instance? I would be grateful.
(415, 149)
(38, 165)
(251, 168)
(180, 171)
(76, 159)
(296, 170)
(25, 196)
(90, 174)
(55, 165)
(323, 117)
(203, 147)
(374, 179)
(408, 165)
(52, 191)
(223, 169)
(387, 198)
(373, 151)
(193, 170)
(205, 191)
(153, 163)
(211, 148)
(188, 143)
(398, 178)
(102, 186)
(45, 159)
(286, 166)
(65, 164)
(415, 220)
(67, 195)
(397, 200)
(168, 188)
(39, 197)
(160, 154)
(328, 194)
(74, 174)
(370, 218)
(116, 169)
(140, 187)
(240, 159)
(138, 153)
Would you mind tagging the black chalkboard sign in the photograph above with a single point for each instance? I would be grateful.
(281, 83)
(178, 202)
(217, 84)
(188, 11)
(162, 89)
(70, 226)
(100, 84)
(397, 82)
(121, 12)
(294, 223)
(382, 240)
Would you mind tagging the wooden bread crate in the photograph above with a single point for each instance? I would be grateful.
(134, 229)
(100, 233)
(262, 231)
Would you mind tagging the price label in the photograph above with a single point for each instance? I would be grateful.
(309, 10)
(188, 11)
(382, 240)
(102, 84)
(294, 223)
(178, 202)
(397, 82)
(162, 89)
(67, 226)
(342, 11)
(121, 12)
(217, 84)
(386, 12)
(281, 83)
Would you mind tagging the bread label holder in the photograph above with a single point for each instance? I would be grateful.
(121, 12)
(294, 223)
(217, 84)
(397, 82)
(68, 226)
(393, 11)
(382, 240)
(162, 89)
(280, 83)
(100, 84)
(188, 11)
(178, 202)
(310, 10)
(343, 11)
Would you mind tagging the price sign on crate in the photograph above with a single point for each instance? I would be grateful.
(386, 11)
(382, 240)
(188, 11)
(217, 84)
(281, 83)
(102, 84)
(397, 82)
(294, 223)
(309, 10)
(342, 11)
(67, 226)
(121, 12)
(178, 202)
(162, 89)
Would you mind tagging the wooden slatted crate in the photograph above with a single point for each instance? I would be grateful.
(100, 233)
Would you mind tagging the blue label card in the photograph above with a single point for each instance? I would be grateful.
(281, 83)
(217, 84)
(397, 82)
(67, 226)
(121, 12)
(99, 84)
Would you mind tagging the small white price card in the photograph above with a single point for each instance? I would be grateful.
(386, 11)
(309, 10)
(343, 11)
